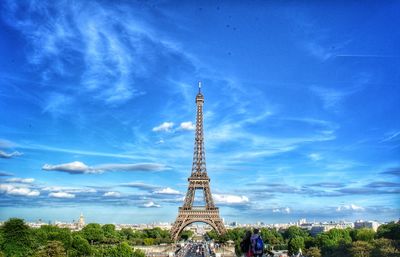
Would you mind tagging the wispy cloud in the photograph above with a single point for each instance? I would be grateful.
(151, 204)
(57, 104)
(285, 210)
(380, 184)
(6, 143)
(5, 174)
(141, 186)
(392, 136)
(392, 171)
(165, 126)
(167, 191)
(187, 125)
(81, 168)
(327, 184)
(349, 207)
(331, 97)
(21, 180)
(9, 155)
(314, 156)
(112, 194)
(230, 199)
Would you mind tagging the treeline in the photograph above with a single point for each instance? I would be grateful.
(362, 242)
(19, 240)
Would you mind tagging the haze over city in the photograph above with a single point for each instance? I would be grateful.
(301, 112)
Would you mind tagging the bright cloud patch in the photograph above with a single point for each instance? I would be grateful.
(350, 207)
(61, 195)
(167, 191)
(81, 168)
(9, 155)
(21, 180)
(281, 210)
(151, 204)
(187, 125)
(18, 191)
(315, 156)
(230, 199)
(112, 194)
(165, 126)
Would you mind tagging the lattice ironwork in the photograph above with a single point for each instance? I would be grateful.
(198, 180)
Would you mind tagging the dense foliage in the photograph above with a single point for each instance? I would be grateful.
(19, 240)
(334, 243)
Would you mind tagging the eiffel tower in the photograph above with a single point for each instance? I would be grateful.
(198, 180)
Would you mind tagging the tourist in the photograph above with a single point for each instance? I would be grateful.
(257, 244)
(245, 244)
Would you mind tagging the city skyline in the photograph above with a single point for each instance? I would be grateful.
(98, 108)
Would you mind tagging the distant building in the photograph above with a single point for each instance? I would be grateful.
(366, 224)
(81, 222)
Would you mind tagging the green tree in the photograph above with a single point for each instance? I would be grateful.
(389, 231)
(360, 249)
(334, 242)
(271, 237)
(295, 231)
(53, 233)
(81, 245)
(52, 249)
(124, 250)
(148, 241)
(93, 233)
(312, 252)
(109, 230)
(186, 234)
(17, 239)
(295, 244)
(110, 234)
(364, 234)
(383, 247)
(138, 253)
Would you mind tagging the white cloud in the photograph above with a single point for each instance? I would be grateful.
(350, 207)
(77, 167)
(72, 190)
(151, 204)
(18, 191)
(315, 156)
(61, 195)
(72, 167)
(6, 143)
(9, 155)
(282, 210)
(187, 125)
(392, 136)
(112, 194)
(165, 126)
(167, 191)
(21, 180)
(230, 199)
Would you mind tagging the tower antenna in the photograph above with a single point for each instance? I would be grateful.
(199, 86)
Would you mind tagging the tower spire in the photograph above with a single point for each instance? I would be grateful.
(199, 86)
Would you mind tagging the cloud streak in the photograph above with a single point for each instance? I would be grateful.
(9, 155)
(77, 167)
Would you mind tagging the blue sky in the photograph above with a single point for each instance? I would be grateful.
(301, 109)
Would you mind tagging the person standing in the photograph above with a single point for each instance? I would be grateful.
(257, 244)
(245, 244)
